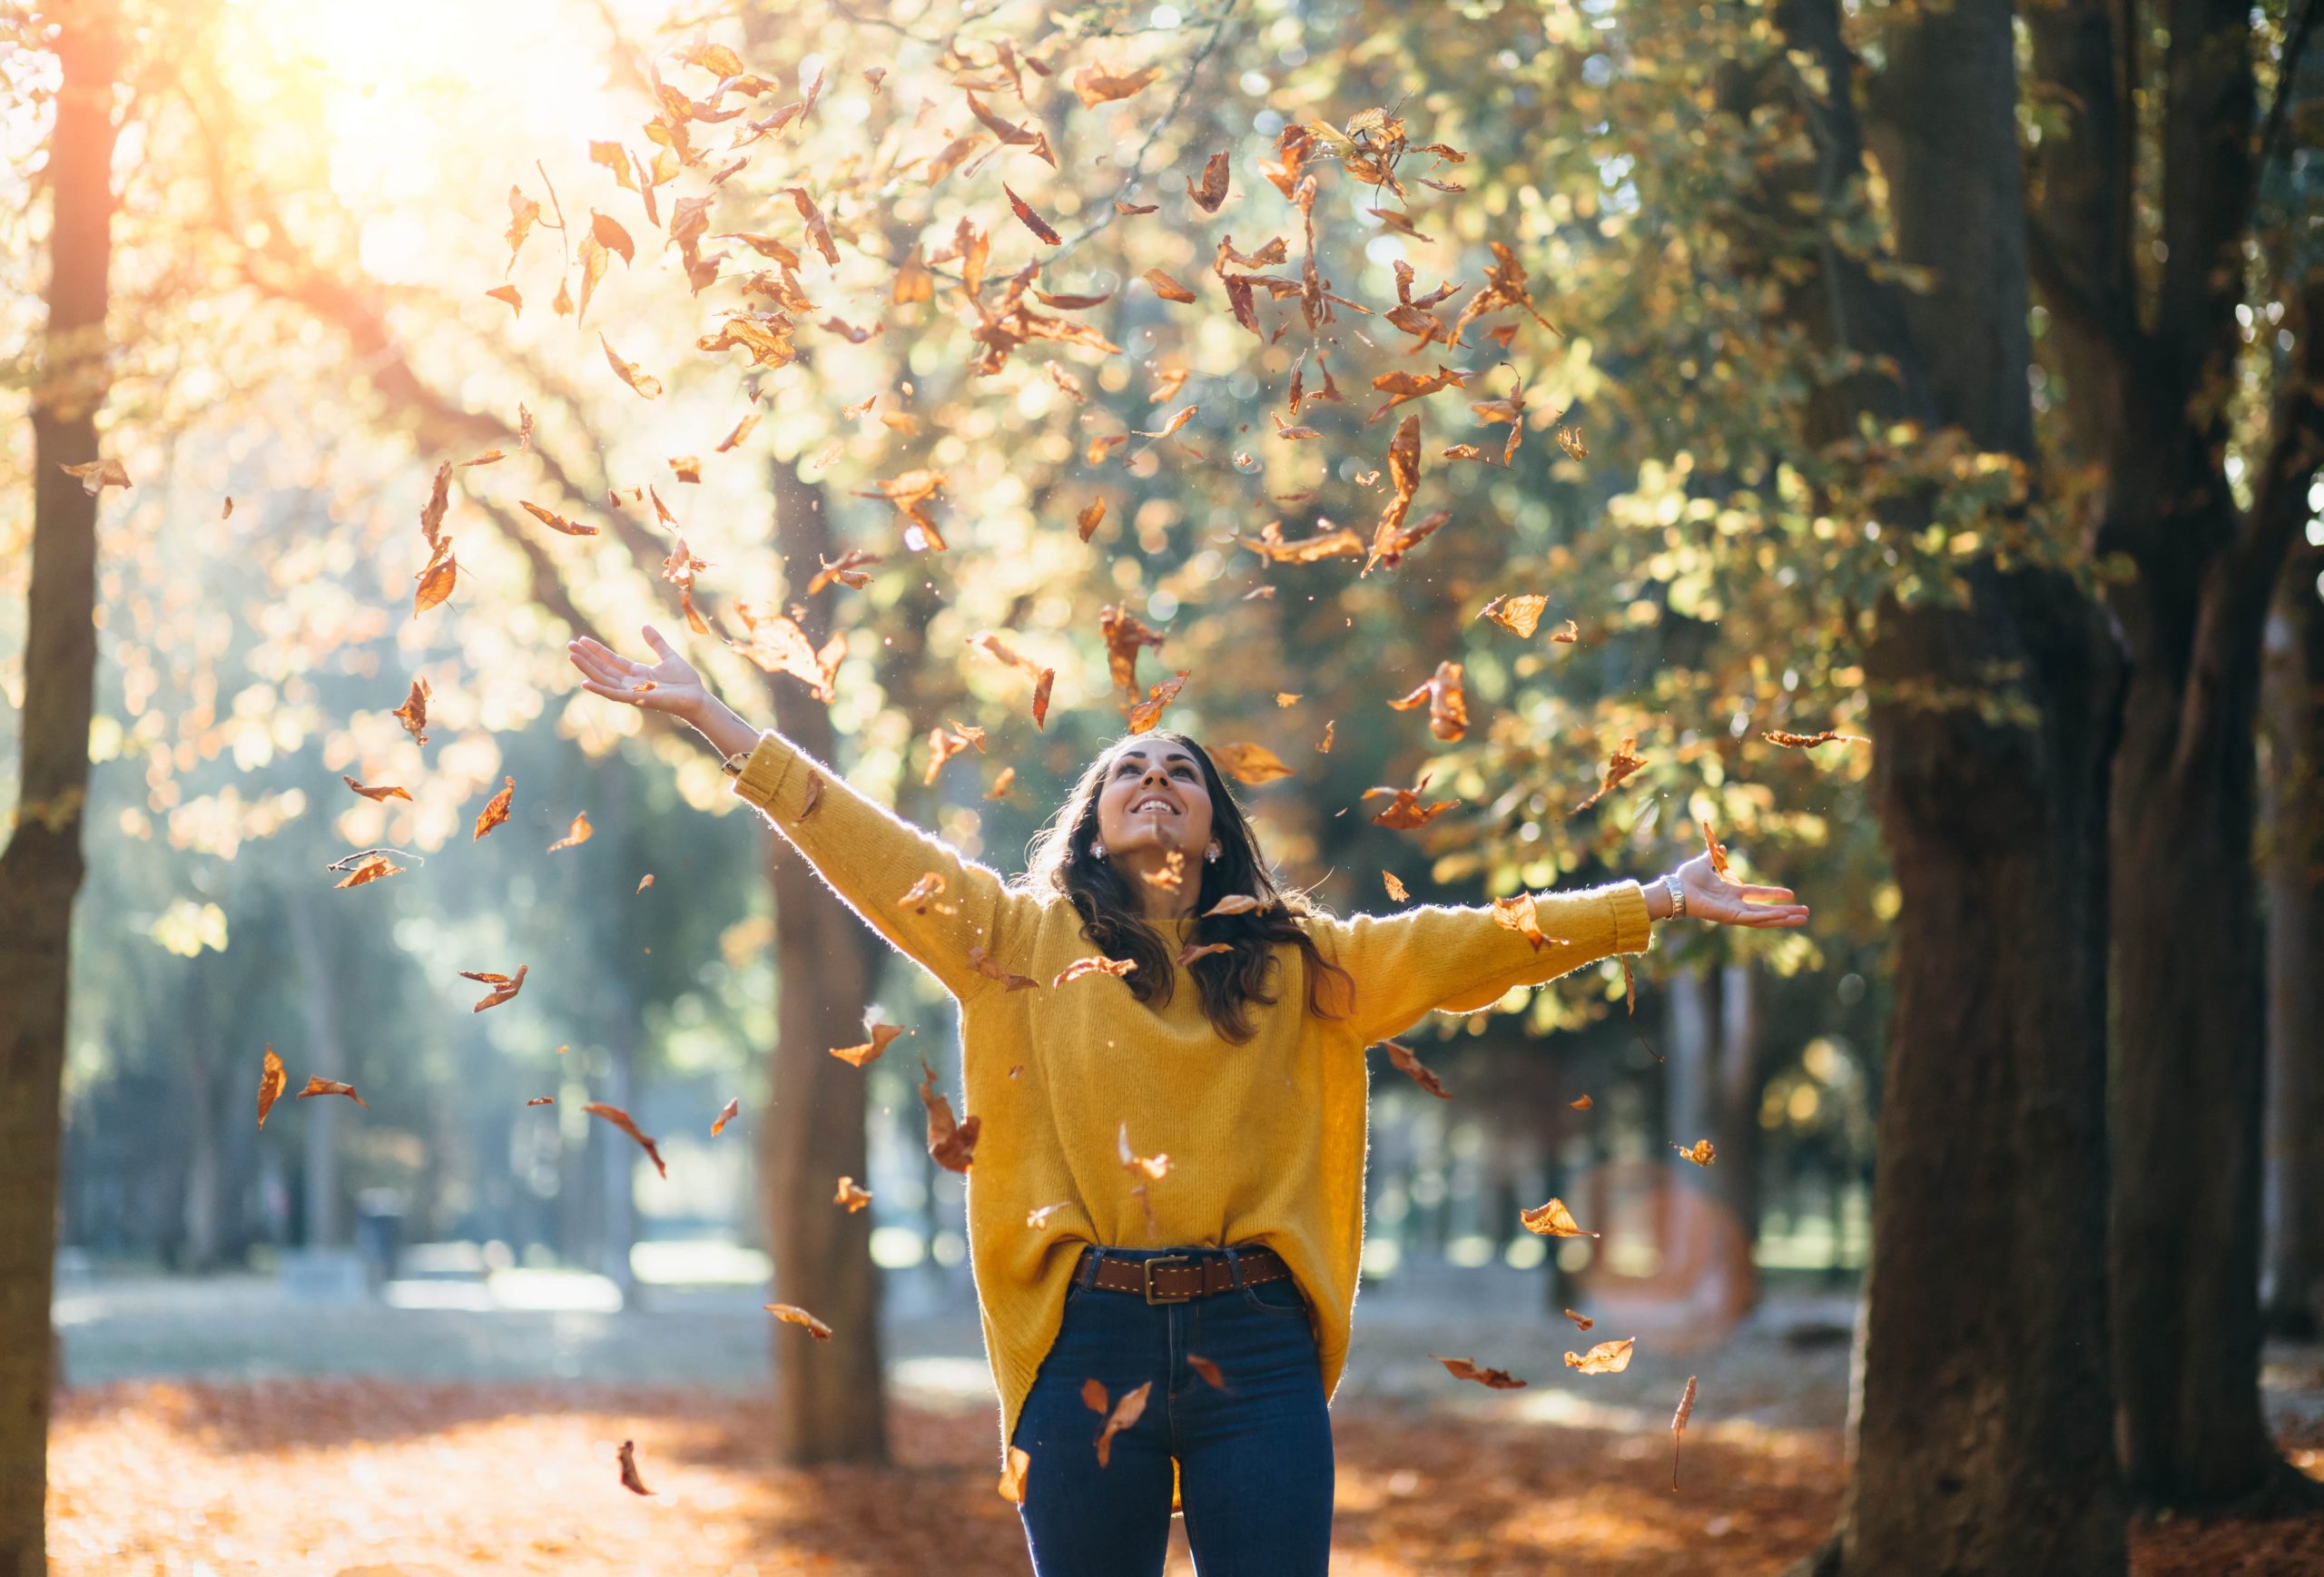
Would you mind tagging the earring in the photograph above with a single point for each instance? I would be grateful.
(1096, 849)
(1212, 855)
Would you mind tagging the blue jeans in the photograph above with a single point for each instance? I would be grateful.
(1255, 1460)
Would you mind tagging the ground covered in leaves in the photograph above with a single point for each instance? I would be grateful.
(364, 1476)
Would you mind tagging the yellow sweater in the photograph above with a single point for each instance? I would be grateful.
(1266, 1139)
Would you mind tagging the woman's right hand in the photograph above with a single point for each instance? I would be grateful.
(669, 686)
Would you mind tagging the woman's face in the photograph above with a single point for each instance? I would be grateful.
(1154, 800)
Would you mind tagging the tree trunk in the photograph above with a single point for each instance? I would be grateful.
(2292, 1285)
(1741, 1074)
(830, 1397)
(41, 868)
(201, 1221)
(618, 1157)
(326, 1056)
(1982, 1440)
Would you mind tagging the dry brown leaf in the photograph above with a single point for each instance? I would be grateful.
(629, 1478)
(504, 987)
(644, 883)
(1125, 1413)
(1194, 950)
(1213, 190)
(1169, 289)
(1462, 1369)
(951, 1145)
(379, 792)
(1116, 967)
(579, 832)
(856, 1198)
(1248, 764)
(1567, 633)
(1701, 1153)
(1395, 888)
(271, 1081)
(882, 1036)
(646, 386)
(1447, 700)
(1095, 84)
(1148, 712)
(621, 1120)
(318, 1085)
(1520, 614)
(1582, 1103)
(496, 810)
(1810, 741)
(1552, 1221)
(372, 865)
(1408, 1062)
(1678, 1427)
(98, 475)
(1619, 766)
(790, 1314)
(1091, 515)
(1582, 1321)
(1042, 230)
(1404, 811)
(1605, 1358)
(556, 522)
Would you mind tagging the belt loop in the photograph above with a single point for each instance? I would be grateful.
(1234, 1266)
(1086, 1273)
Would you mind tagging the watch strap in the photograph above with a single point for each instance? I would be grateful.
(1672, 885)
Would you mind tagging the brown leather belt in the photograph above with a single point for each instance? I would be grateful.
(1180, 1278)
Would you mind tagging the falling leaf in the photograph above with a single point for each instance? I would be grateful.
(847, 570)
(510, 294)
(317, 1085)
(271, 1083)
(818, 234)
(504, 987)
(1404, 811)
(1678, 1427)
(645, 384)
(1582, 1103)
(1178, 418)
(1192, 952)
(1605, 1358)
(812, 796)
(542, 1100)
(367, 867)
(379, 792)
(1038, 1217)
(644, 883)
(437, 579)
(1462, 1369)
(1582, 1321)
(686, 467)
(1395, 888)
(726, 1114)
(1095, 84)
(1208, 1370)
(1000, 784)
(1134, 209)
(1447, 700)
(779, 646)
(1517, 914)
(1567, 634)
(556, 522)
(496, 811)
(629, 1478)
(1042, 228)
(621, 1120)
(1116, 967)
(742, 430)
(1236, 904)
(1521, 615)
(1087, 521)
(882, 1036)
(951, 1145)
(1042, 697)
(1810, 741)
(1012, 1475)
(98, 475)
(792, 1316)
(1619, 766)
(1700, 1154)
(1154, 1168)
(849, 1195)
(920, 896)
(1324, 748)
(1712, 846)
(1408, 1063)
(1552, 1221)
(1169, 289)
(414, 712)
(1213, 190)
(579, 832)
(1248, 764)
(1125, 1413)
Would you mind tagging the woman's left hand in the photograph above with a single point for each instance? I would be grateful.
(1712, 897)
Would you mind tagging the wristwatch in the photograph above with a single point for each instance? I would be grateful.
(1671, 885)
(731, 765)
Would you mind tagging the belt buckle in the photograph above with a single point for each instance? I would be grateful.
(1172, 1262)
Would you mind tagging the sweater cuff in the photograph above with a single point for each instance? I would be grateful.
(767, 772)
(1633, 927)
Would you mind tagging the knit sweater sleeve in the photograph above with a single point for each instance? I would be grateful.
(1458, 959)
(872, 858)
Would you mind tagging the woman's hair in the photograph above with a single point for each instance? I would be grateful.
(1113, 919)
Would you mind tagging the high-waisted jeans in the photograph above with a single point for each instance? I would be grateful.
(1255, 1459)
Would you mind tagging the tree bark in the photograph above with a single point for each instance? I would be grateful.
(326, 1056)
(2292, 814)
(830, 1397)
(1982, 1440)
(41, 868)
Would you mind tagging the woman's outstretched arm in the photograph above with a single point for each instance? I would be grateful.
(1459, 960)
(870, 858)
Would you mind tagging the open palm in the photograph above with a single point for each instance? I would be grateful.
(1711, 896)
(670, 684)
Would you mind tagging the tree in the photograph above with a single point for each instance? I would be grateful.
(40, 868)
(2149, 362)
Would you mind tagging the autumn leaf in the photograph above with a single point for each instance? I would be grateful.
(1678, 1427)
(1810, 741)
(1582, 1321)
(370, 866)
(1235, 904)
(951, 1145)
(510, 294)
(271, 1083)
(1080, 967)
(726, 1114)
(1605, 1358)
(849, 1195)
(413, 713)
(1447, 702)
(644, 883)
(1178, 418)
(542, 1100)
(1088, 520)
(1169, 289)
(496, 810)
(779, 646)
(621, 1120)
(1213, 190)
(1521, 614)
(317, 1085)
(846, 570)
(1193, 951)
(1567, 633)
(1154, 1168)
(556, 522)
(1012, 1475)
(1404, 811)
(882, 1036)
(629, 1478)
(1408, 1063)
(1552, 1221)
(790, 1314)
(1125, 1413)
(1462, 1369)
(818, 234)
(579, 832)
(1619, 766)
(1095, 84)
(1042, 228)
(1517, 914)
(1582, 1103)
(647, 386)
(504, 987)
(1700, 1154)
(1148, 712)
(1712, 846)
(920, 896)
(1328, 542)
(98, 475)
(379, 792)
(1039, 1215)
(1248, 764)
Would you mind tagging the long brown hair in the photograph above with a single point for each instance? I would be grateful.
(1059, 860)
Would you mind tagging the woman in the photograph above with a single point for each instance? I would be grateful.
(1234, 1046)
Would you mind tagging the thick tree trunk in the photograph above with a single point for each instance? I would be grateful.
(831, 1397)
(41, 868)
(2292, 813)
(326, 1056)
(201, 1219)
(1741, 1074)
(1983, 1441)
